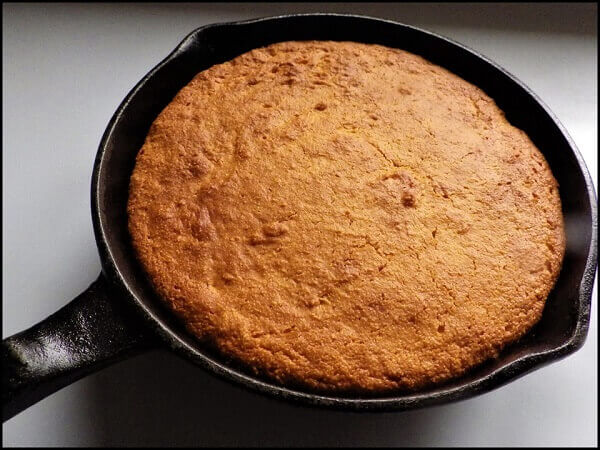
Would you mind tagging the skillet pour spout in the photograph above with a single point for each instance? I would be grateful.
(120, 315)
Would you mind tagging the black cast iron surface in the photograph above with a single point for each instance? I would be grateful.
(120, 314)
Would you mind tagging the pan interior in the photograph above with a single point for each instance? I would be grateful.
(564, 314)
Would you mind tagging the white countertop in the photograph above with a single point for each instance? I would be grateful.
(66, 68)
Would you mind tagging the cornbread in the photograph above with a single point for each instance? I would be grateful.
(344, 217)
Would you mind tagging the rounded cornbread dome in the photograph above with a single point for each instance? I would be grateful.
(344, 217)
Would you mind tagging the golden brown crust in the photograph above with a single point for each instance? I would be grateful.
(345, 217)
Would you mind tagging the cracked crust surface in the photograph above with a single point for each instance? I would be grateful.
(345, 217)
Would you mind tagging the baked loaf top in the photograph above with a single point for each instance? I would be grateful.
(345, 217)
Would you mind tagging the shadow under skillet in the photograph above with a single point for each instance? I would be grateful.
(159, 399)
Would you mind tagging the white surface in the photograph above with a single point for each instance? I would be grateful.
(65, 70)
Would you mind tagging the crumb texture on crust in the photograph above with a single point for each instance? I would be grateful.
(345, 217)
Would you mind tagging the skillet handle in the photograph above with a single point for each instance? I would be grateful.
(91, 332)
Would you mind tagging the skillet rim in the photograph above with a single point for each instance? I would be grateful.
(502, 375)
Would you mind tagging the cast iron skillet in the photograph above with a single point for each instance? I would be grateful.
(119, 314)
